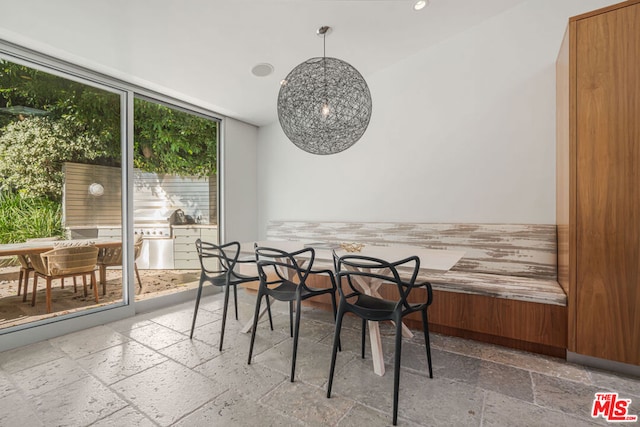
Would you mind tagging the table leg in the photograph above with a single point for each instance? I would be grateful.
(374, 328)
(376, 348)
(249, 325)
(370, 287)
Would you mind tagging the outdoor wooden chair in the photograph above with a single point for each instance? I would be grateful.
(110, 257)
(64, 262)
(23, 279)
(26, 268)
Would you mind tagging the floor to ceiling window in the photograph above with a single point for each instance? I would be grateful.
(56, 136)
(89, 161)
(174, 194)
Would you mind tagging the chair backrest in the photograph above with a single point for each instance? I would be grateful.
(25, 261)
(276, 266)
(137, 246)
(110, 256)
(113, 255)
(354, 268)
(69, 260)
(217, 259)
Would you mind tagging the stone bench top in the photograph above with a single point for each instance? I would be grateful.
(543, 291)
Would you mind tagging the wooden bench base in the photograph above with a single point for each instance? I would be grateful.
(539, 328)
(529, 326)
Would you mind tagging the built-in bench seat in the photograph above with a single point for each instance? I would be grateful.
(542, 291)
(504, 289)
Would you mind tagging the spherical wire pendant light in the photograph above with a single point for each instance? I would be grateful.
(324, 105)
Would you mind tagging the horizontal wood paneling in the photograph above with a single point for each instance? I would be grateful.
(155, 196)
(81, 208)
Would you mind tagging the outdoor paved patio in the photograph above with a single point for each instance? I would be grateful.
(145, 371)
(14, 311)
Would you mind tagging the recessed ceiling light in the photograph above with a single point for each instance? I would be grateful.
(262, 70)
(420, 4)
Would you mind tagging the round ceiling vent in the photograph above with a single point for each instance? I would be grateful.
(262, 70)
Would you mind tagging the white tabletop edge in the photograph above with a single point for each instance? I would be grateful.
(437, 260)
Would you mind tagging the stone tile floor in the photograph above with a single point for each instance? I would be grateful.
(145, 371)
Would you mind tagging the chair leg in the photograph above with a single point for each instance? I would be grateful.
(224, 313)
(396, 368)
(195, 311)
(255, 324)
(135, 268)
(364, 334)
(104, 285)
(94, 281)
(48, 295)
(84, 285)
(291, 318)
(296, 333)
(103, 274)
(20, 277)
(335, 312)
(235, 299)
(336, 340)
(425, 328)
(25, 285)
(35, 287)
(269, 312)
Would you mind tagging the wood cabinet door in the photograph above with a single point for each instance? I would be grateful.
(608, 185)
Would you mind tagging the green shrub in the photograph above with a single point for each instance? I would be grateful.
(33, 150)
(23, 217)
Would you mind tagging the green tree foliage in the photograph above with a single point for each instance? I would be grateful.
(168, 140)
(82, 124)
(88, 112)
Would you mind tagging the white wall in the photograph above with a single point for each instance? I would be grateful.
(463, 132)
(239, 182)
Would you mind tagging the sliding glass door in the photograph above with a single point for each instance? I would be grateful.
(90, 162)
(174, 194)
(98, 178)
(61, 159)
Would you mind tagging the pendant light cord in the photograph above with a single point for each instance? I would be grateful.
(325, 107)
(324, 45)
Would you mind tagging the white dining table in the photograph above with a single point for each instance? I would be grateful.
(431, 260)
(39, 246)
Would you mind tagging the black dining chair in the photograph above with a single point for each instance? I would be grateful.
(283, 277)
(217, 266)
(353, 268)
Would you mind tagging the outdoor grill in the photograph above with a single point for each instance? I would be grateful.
(152, 231)
(157, 249)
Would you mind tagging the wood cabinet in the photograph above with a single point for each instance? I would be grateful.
(184, 249)
(598, 181)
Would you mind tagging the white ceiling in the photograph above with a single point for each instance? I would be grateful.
(205, 49)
